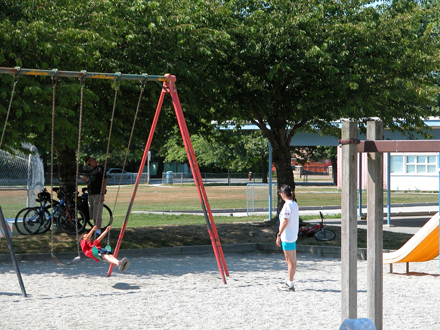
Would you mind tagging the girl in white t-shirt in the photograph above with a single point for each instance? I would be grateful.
(288, 233)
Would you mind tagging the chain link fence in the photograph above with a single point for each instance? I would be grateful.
(21, 178)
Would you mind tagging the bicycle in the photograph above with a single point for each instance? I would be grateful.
(83, 204)
(43, 199)
(65, 221)
(36, 218)
(318, 231)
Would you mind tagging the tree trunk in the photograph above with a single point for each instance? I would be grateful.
(282, 160)
(160, 167)
(67, 169)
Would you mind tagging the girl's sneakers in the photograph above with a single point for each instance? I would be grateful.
(286, 287)
(124, 265)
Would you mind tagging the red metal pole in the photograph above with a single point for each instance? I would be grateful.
(215, 241)
(211, 218)
(169, 87)
(141, 169)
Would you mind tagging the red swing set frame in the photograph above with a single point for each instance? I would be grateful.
(169, 87)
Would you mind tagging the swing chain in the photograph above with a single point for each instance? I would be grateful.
(54, 85)
(143, 84)
(16, 77)
(82, 82)
(118, 83)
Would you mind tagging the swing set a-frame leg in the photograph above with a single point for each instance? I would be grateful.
(169, 87)
(11, 251)
(215, 241)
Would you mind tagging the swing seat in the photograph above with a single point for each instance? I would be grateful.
(59, 262)
(95, 251)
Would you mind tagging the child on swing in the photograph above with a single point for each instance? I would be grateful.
(87, 248)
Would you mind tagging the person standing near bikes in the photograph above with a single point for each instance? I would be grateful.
(97, 186)
(288, 233)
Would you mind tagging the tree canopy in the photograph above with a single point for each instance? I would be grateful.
(97, 36)
(302, 65)
(285, 66)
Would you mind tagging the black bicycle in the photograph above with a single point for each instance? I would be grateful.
(39, 219)
(44, 200)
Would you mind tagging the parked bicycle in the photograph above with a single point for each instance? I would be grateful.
(318, 231)
(44, 200)
(39, 219)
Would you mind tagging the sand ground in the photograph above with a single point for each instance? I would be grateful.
(186, 292)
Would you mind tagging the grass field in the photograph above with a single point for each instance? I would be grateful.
(146, 230)
(185, 197)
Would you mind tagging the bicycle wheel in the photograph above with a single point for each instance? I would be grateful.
(107, 218)
(46, 222)
(325, 235)
(59, 211)
(33, 219)
(66, 222)
(19, 220)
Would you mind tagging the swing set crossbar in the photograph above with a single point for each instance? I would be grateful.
(144, 77)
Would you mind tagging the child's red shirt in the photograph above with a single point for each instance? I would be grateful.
(87, 248)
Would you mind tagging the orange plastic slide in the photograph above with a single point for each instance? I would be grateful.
(423, 246)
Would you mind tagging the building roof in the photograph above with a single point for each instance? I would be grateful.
(316, 139)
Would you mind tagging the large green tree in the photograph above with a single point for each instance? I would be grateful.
(104, 36)
(301, 65)
(71, 36)
(186, 38)
(67, 35)
(282, 65)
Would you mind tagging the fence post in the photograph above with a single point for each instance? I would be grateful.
(360, 183)
(270, 179)
(29, 182)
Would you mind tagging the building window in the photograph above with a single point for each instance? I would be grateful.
(396, 164)
(414, 164)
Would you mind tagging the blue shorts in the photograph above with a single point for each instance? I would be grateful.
(103, 251)
(288, 246)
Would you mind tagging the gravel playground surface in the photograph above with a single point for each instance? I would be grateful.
(186, 292)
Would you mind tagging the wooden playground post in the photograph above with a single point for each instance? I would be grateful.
(349, 223)
(375, 227)
(374, 147)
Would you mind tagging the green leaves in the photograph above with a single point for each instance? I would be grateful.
(281, 65)
(236, 151)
